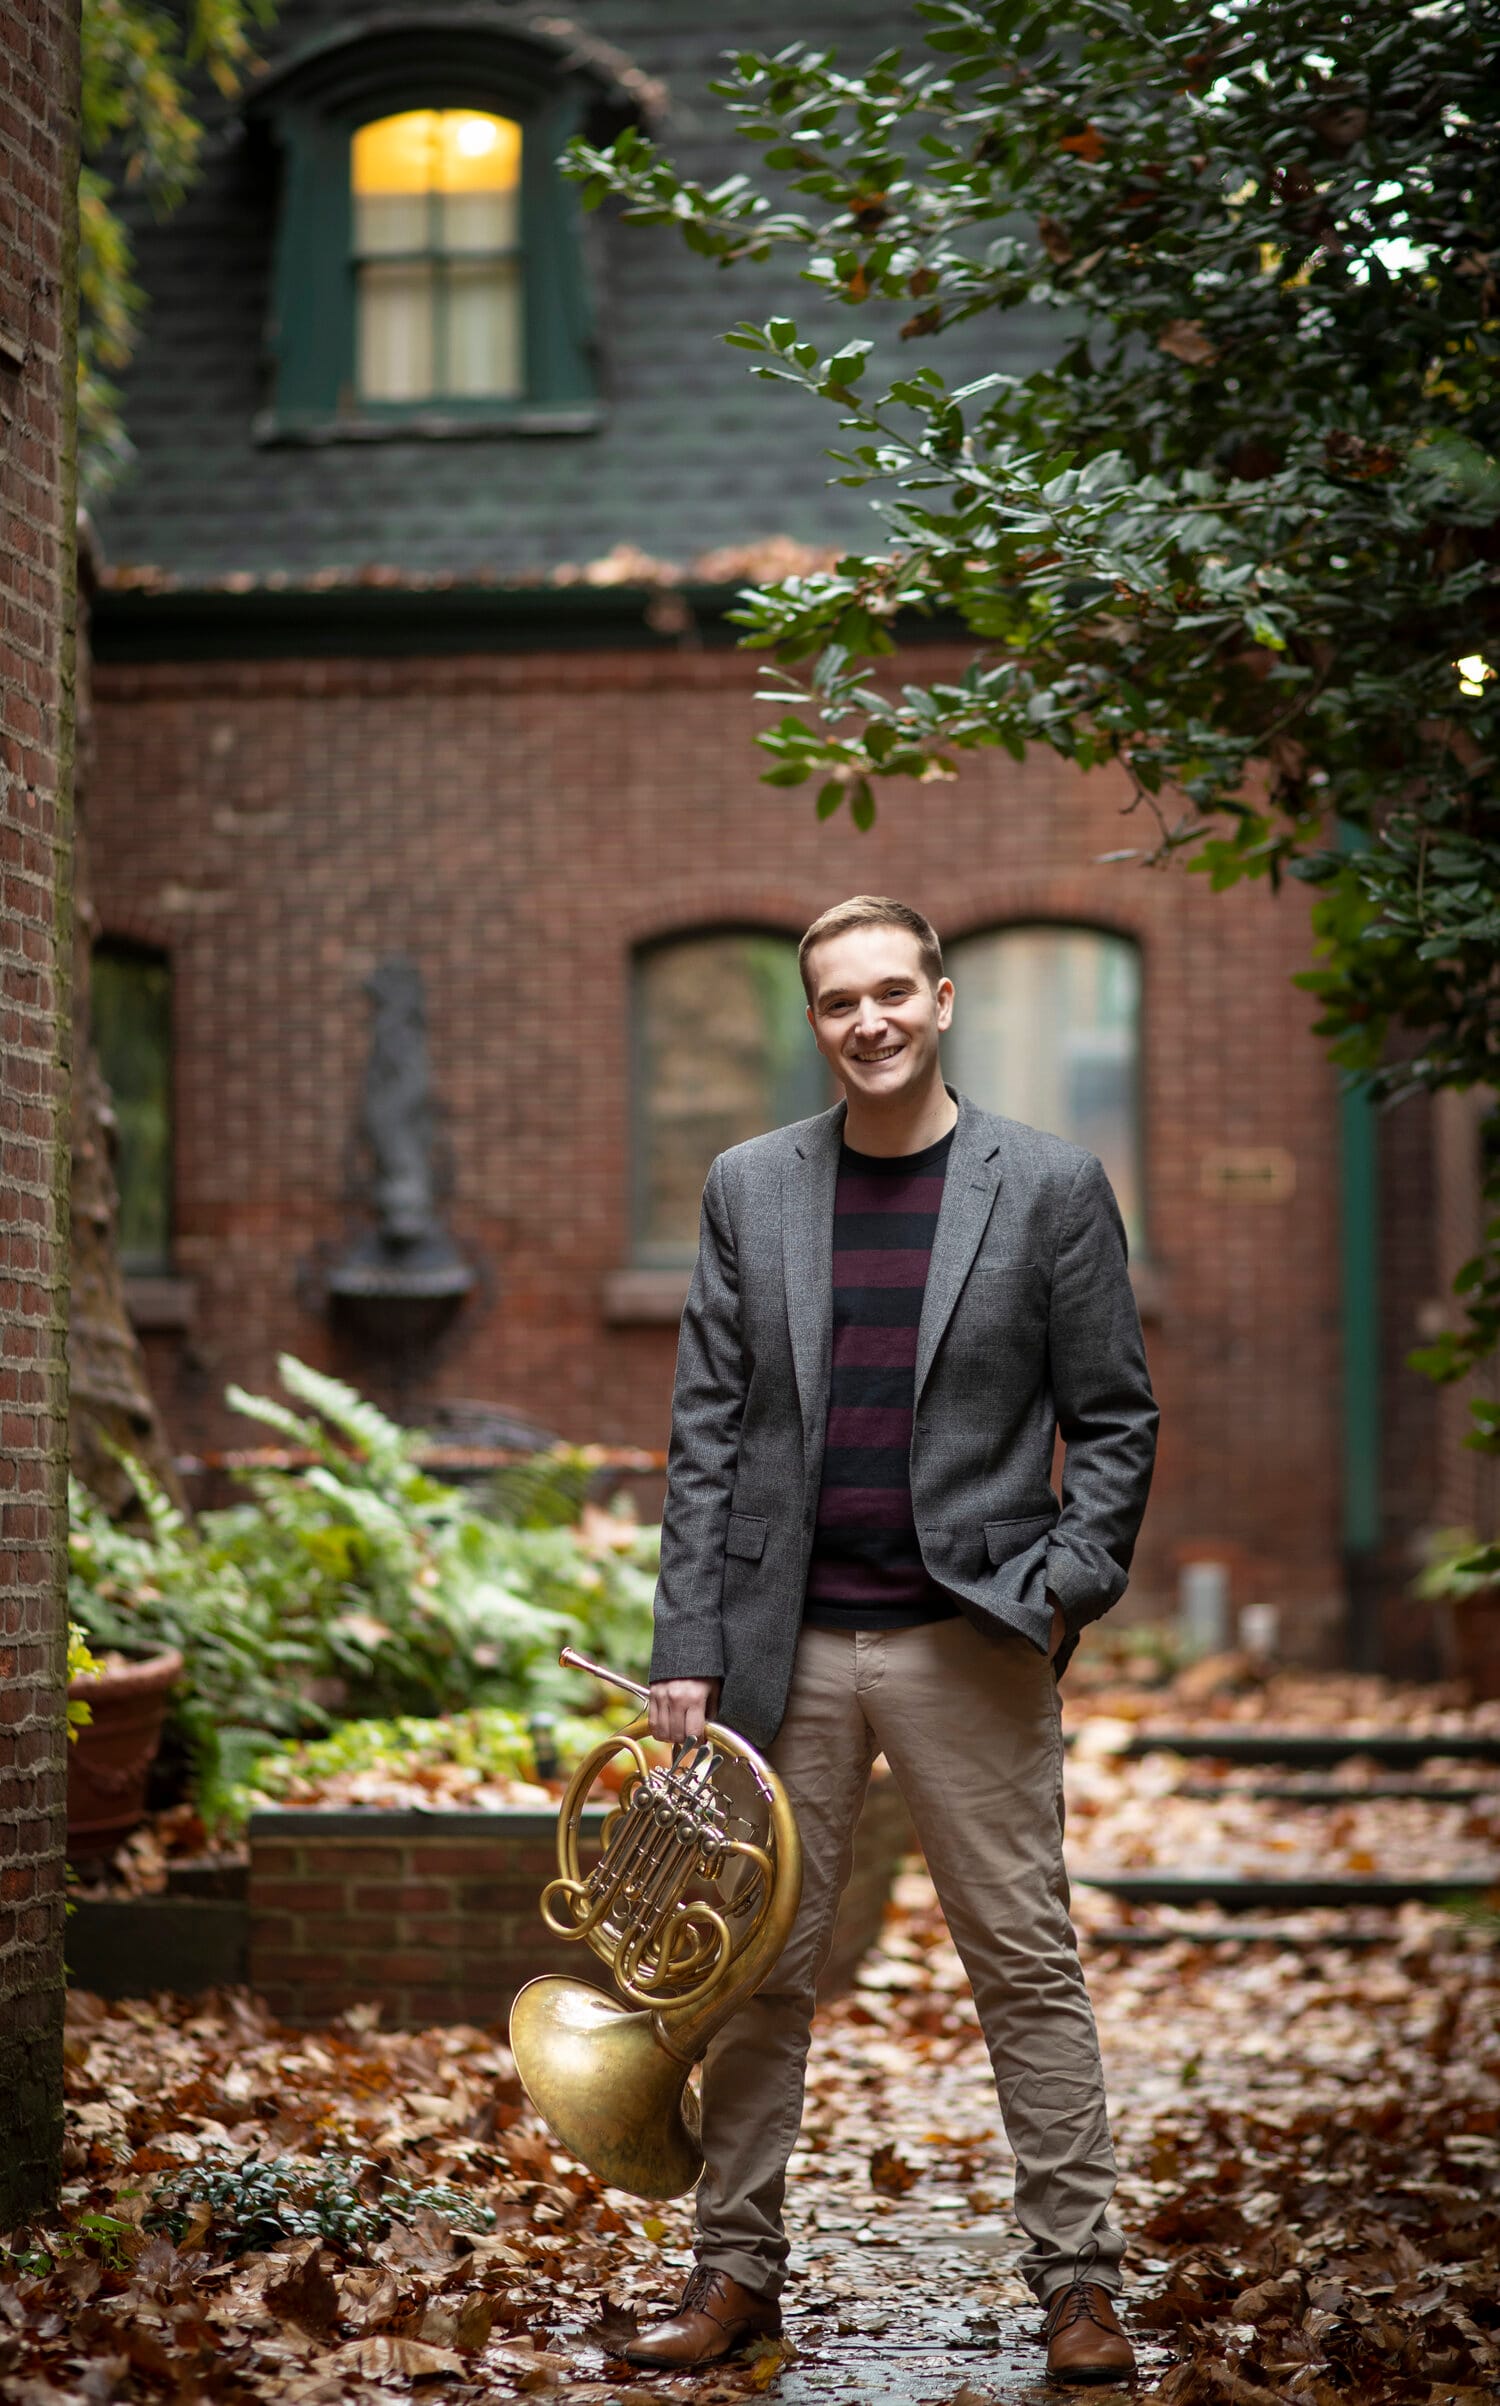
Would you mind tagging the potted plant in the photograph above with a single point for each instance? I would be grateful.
(1462, 1577)
(116, 1743)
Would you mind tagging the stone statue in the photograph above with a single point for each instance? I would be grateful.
(404, 1279)
(398, 1113)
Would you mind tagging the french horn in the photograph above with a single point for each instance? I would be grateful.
(690, 1903)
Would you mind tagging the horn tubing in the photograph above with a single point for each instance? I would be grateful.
(571, 1660)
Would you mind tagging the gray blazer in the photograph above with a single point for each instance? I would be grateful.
(1029, 1325)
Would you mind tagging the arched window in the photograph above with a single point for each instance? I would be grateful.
(1046, 1029)
(723, 1052)
(429, 277)
(132, 1021)
(437, 256)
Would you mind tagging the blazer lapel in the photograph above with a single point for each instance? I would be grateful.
(809, 1184)
(969, 1192)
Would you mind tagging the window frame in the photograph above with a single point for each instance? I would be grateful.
(439, 260)
(659, 1259)
(125, 949)
(313, 335)
(1044, 923)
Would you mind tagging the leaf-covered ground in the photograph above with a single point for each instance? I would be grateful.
(1309, 2138)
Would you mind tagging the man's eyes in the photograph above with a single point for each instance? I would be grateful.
(886, 994)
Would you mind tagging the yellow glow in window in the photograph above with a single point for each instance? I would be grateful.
(437, 257)
(436, 151)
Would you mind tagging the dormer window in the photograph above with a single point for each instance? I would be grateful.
(429, 276)
(436, 208)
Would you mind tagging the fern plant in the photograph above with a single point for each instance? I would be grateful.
(356, 1587)
(246, 1676)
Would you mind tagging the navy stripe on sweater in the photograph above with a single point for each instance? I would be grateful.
(866, 1570)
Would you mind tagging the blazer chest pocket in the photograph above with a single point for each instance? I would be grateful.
(1005, 1539)
(746, 1536)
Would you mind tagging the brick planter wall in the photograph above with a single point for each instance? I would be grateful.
(434, 1915)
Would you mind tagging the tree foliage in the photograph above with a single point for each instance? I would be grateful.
(140, 135)
(1237, 533)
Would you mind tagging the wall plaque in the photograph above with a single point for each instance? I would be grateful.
(1248, 1173)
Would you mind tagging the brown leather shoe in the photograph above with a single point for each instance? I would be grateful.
(1084, 2341)
(715, 2320)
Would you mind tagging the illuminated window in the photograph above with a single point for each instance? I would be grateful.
(723, 1052)
(132, 1019)
(437, 256)
(1046, 1029)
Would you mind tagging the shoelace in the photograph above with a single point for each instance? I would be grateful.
(1077, 2305)
(702, 2283)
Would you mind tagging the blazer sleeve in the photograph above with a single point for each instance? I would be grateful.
(708, 1401)
(1105, 1407)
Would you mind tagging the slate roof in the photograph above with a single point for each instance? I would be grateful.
(693, 455)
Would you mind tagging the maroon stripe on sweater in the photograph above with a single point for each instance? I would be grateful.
(887, 1194)
(859, 1348)
(870, 1424)
(906, 1268)
(867, 1582)
(866, 1508)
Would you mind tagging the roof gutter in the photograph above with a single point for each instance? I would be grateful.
(140, 623)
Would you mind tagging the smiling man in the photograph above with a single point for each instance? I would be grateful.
(896, 1308)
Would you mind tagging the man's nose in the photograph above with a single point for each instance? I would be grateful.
(868, 1020)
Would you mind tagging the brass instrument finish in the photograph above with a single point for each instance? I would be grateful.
(609, 2078)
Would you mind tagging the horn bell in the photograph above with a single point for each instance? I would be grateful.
(606, 2087)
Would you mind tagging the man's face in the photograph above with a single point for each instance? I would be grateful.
(875, 1017)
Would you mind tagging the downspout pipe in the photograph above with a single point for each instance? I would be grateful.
(1359, 1269)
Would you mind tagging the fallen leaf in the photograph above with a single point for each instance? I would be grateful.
(306, 2296)
(463, 2322)
(890, 2173)
(766, 2360)
(388, 2357)
(613, 2327)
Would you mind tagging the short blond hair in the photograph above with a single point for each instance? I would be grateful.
(871, 910)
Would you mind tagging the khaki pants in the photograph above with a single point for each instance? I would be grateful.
(969, 1725)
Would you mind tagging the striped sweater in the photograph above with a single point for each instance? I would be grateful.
(866, 1570)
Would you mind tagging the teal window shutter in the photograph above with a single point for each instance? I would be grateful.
(312, 341)
(558, 333)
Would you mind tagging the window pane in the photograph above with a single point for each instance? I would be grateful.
(1046, 1029)
(391, 221)
(445, 183)
(132, 994)
(437, 151)
(395, 331)
(484, 329)
(723, 1052)
(480, 221)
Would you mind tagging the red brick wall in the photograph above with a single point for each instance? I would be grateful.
(434, 1916)
(517, 824)
(38, 91)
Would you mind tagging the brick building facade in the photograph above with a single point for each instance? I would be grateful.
(38, 99)
(449, 679)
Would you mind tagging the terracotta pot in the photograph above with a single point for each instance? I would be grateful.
(1474, 1641)
(110, 1759)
